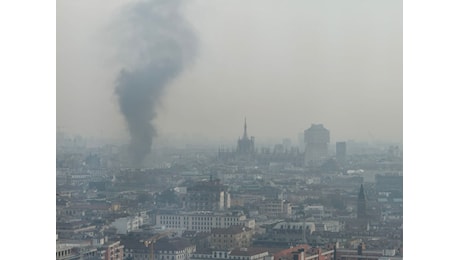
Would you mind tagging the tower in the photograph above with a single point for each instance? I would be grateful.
(316, 144)
(361, 204)
(245, 145)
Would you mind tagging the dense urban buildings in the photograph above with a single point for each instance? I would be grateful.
(155, 159)
(250, 202)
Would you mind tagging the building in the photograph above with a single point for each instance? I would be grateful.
(141, 245)
(135, 248)
(314, 211)
(316, 144)
(75, 229)
(112, 251)
(245, 146)
(203, 221)
(202, 240)
(236, 254)
(74, 252)
(275, 208)
(208, 196)
(329, 226)
(341, 152)
(231, 237)
(362, 254)
(362, 221)
(246, 153)
(127, 224)
(173, 249)
(245, 150)
(309, 227)
(361, 209)
(64, 252)
(304, 252)
(292, 231)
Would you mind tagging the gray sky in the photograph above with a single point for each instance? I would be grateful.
(282, 64)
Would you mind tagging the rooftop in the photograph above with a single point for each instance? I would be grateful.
(232, 230)
(175, 244)
(247, 251)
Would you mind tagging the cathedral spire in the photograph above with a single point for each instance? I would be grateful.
(245, 136)
(361, 204)
(361, 195)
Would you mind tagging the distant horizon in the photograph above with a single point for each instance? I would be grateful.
(227, 142)
(281, 65)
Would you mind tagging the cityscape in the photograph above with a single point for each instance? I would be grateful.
(254, 131)
(311, 200)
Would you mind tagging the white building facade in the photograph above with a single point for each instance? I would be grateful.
(202, 221)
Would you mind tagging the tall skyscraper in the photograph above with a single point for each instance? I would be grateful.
(316, 144)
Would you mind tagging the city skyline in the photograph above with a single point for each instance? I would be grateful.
(232, 143)
(29, 60)
(283, 66)
(429, 65)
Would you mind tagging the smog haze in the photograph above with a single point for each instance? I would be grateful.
(283, 65)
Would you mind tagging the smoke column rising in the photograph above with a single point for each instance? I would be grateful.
(156, 43)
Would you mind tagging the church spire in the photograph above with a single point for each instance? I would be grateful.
(361, 204)
(245, 136)
(361, 195)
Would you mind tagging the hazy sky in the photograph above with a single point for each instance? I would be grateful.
(282, 64)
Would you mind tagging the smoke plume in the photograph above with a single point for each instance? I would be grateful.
(156, 43)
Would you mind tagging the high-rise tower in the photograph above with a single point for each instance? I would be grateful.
(316, 144)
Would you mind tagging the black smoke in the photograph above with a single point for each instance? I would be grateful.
(155, 43)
